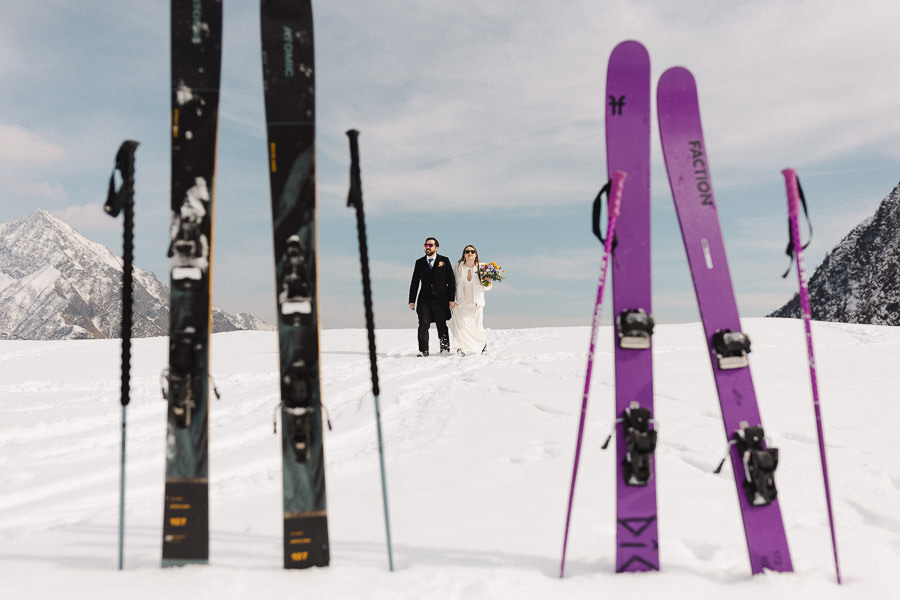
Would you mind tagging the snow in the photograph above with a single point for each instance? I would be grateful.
(479, 454)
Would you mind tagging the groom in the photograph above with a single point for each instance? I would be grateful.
(435, 298)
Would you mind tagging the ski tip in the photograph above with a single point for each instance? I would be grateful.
(632, 48)
(676, 95)
(678, 78)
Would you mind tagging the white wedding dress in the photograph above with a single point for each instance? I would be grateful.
(467, 324)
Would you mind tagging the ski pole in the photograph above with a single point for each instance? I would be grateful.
(614, 190)
(116, 200)
(354, 199)
(795, 250)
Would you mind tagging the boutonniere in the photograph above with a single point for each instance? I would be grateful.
(440, 263)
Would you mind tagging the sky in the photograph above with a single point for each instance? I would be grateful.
(481, 123)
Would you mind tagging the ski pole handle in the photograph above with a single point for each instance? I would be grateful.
(796, 201)
(793, 195)
(615, 193)
(354, 196)
(116, 199)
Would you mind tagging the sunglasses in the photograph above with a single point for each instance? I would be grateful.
(429, 245)
(471, 252)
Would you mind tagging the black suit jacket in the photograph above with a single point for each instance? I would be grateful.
(434, 287)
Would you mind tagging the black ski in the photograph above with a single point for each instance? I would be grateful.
(196, 61)
(289, 82)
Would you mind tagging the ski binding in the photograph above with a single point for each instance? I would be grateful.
(298, 383)
(296, 295)
(759, 464)
(181, 382)
(634, 329)
(640, 443)
(189, 248)
(732, 348)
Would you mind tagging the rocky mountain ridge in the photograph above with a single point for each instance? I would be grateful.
(859, 280)
(56, 284)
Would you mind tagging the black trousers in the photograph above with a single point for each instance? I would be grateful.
(426, 313)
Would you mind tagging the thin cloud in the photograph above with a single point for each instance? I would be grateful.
(36, 190)
(88, 217)
(20, 144)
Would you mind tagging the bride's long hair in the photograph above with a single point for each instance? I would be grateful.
(477, 261)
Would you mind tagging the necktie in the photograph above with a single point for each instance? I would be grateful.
(430, 263)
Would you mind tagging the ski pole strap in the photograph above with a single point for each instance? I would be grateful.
(790, 245)
(598, 209)
(115, 199)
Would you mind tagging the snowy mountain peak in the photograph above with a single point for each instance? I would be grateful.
(57, 284)
(857, 280)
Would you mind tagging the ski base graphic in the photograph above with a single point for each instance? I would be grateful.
(306, 540)
(185, 523)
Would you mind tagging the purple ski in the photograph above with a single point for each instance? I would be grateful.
(795, 249)
(628, 149)
(614, 189)
(752, 462)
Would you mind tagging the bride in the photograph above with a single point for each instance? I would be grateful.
(467, 323)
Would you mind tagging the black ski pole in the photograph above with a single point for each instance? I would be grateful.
(116, 201)
(354, 199)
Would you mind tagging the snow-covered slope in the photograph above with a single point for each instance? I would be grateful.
(57, 284)
(479, 454)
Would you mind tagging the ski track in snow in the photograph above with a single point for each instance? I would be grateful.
(478, 453)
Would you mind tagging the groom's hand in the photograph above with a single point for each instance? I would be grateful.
(412, 306)
(453, 305)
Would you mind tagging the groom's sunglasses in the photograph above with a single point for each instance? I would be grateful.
(429, 245)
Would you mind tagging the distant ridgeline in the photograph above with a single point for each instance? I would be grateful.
(859, 280)
(56, 284)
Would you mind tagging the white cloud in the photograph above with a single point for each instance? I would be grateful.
(485, 106)
(88, 217)
(20, 144)
(37, 191)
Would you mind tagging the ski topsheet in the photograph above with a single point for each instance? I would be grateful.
(689, 177)
(196, 60)
(628, 149)
(289, 82)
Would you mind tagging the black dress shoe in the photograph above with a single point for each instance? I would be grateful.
(423, 353)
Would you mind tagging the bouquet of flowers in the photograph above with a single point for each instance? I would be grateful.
(490, 272)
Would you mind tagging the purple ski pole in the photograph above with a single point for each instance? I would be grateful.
(615, 196)
(795, 196)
